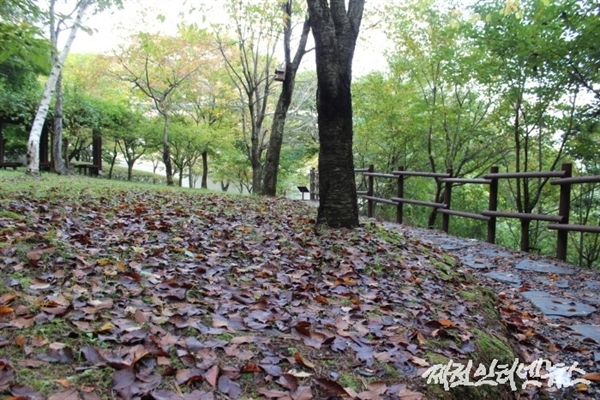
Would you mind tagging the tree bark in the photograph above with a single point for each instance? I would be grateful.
(58, 164)
(269, 184)
(167, 152)
(33, 144)
(204, 184)
(335, 32)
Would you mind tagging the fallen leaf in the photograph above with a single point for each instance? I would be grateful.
(592, 376)
(301, 360)
(409, 395)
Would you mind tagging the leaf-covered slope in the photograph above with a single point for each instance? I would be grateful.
(132, 292)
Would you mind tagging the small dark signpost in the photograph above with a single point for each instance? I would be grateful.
(303, 189)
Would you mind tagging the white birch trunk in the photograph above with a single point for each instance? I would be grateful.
(33, 145)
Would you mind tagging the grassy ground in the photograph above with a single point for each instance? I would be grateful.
(118, 290)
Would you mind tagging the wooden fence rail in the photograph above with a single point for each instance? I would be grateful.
(559, 222)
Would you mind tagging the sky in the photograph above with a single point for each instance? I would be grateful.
(112, 27)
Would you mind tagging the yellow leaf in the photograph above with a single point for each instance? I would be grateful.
(106, 327)
(581, 387)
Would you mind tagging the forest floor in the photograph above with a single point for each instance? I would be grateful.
(110, 290)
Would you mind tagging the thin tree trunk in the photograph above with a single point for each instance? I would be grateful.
(190, 177)
(439, 195)
(269, 184)
(256, 173)
(525, 224)
(129, 171)
(167, 152)
(113, 161)
(204, 184)
(33, 144)
(58, 164)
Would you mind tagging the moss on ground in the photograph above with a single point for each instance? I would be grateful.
(490, 344)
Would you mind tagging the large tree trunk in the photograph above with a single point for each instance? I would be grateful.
(33, 144)
(167, 152)
(269, 184)
(58, 164)
(335, 32)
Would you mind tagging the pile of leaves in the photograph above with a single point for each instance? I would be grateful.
(115, 291)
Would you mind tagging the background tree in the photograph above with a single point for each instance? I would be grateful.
(157, 66)
(250, 62)
(451, 117)
(57, 63)
(271, 167)
(536, 101)
(21, 36)
(335, 32)
(207, 100)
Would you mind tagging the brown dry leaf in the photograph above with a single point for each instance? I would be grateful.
(377, 386)
(273, 394)
(303, 327)
(70, 394)
(420, 338)
(592, 376)
(446, 323)
(36, 255)
(302, 393)
(212, 375)
(21, 341)
(301, 360)
(6, 310)
(331, 387)
(64, 383)
(321, 299)
(409, 395)
(420, 361)
(22, 323)
(251, 367)
(7, 298)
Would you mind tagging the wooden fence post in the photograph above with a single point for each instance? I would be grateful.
(564, 205)
(400, 194)
(370, 192)
(493, 206)
(447, 200)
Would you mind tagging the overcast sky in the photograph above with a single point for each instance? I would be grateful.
(112, 27)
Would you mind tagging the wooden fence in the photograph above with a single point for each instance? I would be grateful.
(559, 222)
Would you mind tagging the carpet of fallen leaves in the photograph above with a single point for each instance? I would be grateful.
(137, 293)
